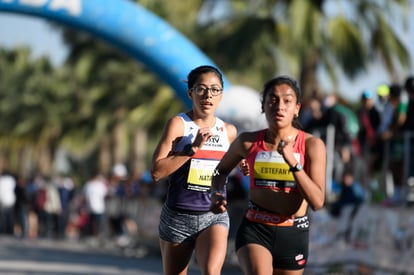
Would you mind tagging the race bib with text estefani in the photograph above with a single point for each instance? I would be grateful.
(271, 170)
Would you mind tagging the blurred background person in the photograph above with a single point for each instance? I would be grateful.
(368, 120)
(115, 199)
(7, 201)
(352, 191)
(95, 191)
(22, 207)
(395, 115)
(52, 207)
(66, 189)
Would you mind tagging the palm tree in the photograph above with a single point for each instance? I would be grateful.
(30, 115)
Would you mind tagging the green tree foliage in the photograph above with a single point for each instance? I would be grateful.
(30, 109)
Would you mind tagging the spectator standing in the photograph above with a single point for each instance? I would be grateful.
(334, 116)
(95, 192)
(326, 113)
(52, 207)
(115, 211)
(383, 94)
(380, 163)
(368, 120)
(22, 207)
(31, 188)
(66, 189)
(7, 201)
(392, 139)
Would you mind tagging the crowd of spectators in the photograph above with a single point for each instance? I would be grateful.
(373, 144)
(59, 208)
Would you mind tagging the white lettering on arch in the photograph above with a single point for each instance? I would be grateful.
(34, 3)
(74, 7)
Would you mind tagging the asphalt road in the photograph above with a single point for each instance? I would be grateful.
(42, 257)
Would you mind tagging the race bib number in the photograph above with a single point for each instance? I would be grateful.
(200, 174)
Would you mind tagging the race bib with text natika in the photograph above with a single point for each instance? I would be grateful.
(200, 174)
(271, 171)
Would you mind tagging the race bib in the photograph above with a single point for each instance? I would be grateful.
(200, 174)
(271, 167)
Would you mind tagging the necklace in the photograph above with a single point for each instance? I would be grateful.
(274, 139)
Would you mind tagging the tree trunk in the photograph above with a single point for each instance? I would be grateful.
(104, 156)
(119, 143)
(139, 151)
(44, 160)
(25, 163)
(308, 76)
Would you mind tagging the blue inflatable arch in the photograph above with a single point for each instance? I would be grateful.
(128, 27)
